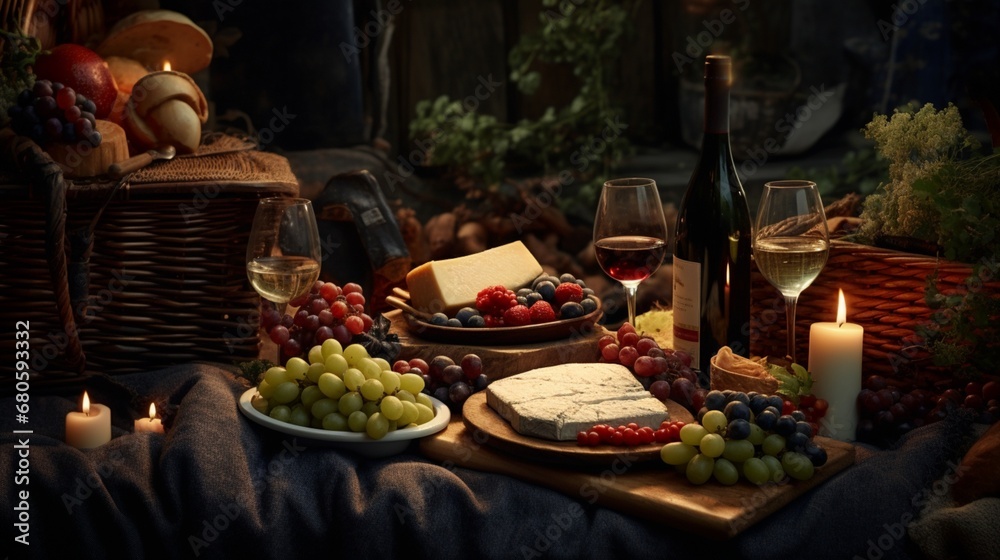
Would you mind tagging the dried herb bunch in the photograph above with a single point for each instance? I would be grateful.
(945, 191)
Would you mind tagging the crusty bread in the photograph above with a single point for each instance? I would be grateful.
(166, 109)
(750, 378)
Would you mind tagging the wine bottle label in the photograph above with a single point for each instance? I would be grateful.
(687, 307)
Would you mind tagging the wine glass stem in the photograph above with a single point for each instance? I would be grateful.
(630, 292)
(790, 302)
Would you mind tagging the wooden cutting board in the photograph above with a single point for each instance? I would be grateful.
(500, 361)
(645, 489)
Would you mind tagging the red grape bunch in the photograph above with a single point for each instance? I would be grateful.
(665, 372)
(886, 412)
(445, 380)
(50, 112)
(326, 311)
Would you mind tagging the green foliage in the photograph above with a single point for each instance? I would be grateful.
(861, 171)
(916, 144)
(792, 383)
(942, 191)
(253, 370)
(586, 37)
(19, 52)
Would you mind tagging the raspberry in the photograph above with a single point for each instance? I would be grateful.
(493, 321)
(568, 291)
(517, 316)
(542, 312)
(495, 300)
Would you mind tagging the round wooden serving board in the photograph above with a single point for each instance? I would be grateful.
(490, 428)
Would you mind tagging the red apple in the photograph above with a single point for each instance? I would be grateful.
(81, 69)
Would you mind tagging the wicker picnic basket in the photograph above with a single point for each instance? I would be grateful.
(114, 277)
(885, 292)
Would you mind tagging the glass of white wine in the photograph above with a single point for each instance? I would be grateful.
(791, 242)
(283, 253)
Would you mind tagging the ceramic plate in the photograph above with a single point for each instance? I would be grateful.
(393, 443)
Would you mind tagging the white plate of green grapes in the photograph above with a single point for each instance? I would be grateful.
(304, 399)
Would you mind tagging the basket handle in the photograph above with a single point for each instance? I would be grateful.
(42, 171)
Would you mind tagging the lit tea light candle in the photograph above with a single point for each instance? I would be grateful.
(151, 424)
(166, 65)
(835, 351)
(89, 428)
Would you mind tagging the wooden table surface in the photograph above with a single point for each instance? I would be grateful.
(647, 489)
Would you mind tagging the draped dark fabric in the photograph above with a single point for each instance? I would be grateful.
(219, 486)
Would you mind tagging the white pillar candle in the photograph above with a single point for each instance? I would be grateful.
(89, 428)
(835, 351)
(151, 424)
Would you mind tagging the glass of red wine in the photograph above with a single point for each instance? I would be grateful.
(630, 233)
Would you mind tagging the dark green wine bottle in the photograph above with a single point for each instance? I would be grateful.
(711, 295)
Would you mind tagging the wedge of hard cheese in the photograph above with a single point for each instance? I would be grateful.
(557, 402)
(451, 284)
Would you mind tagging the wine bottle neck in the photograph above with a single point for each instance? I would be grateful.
(716, 107)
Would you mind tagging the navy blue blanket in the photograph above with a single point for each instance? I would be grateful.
(217, 485)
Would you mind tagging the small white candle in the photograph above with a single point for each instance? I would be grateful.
(835, 351)
(89, 428)
(151, 424)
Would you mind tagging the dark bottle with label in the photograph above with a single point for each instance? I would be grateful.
(711, 295)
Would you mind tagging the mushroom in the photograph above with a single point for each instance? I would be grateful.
(154, 36)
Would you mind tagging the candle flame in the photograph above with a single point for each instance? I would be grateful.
(841, 309)
(86, 404)
(166, 66)
(727, 274)
(152, 411)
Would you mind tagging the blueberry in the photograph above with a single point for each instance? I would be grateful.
(728, 394)
(739, 396)
(523, 292)
(567, 277)
(544, 278)
(785, 426)
(570, 310)
(738, 429)
(758, 403)
(481, 382)
(776, 402)
(816, 454)
(532, 298)
(547, 290)
(715, 400)
(476, 322)
(439, 319)
(797, 441)
(466, 313)
(798, 415)
(766, 420)
(804, 428)
(581, 283)
(521, 300)
(736, 410)
(453, 322)
(589, 305)
(589, 292)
